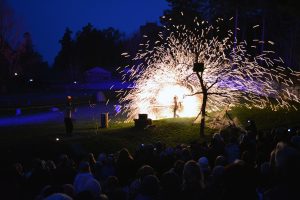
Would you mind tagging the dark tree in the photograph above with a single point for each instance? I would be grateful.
(287, 30)
(30, 61)
(89, 48)
(9, 35)
(6, 58)
(181, 12)
(111, 49)
(278, 21)
(9, 28)
(98, 48)
(65, 61)
(147, 35)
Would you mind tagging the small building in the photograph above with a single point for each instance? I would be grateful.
(96, 75)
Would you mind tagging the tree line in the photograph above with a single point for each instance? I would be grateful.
(277, 21)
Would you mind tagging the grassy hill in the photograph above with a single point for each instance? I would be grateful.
(27, 141)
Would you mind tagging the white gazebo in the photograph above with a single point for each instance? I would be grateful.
(97, 74)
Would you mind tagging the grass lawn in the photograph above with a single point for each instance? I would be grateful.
(27, 141)
(267, 119)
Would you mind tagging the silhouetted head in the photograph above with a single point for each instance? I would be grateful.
(220, 161)
(144, 171)
(192, 173)
(170, 182)
(124, 154)
(84, 167)
(150, 185)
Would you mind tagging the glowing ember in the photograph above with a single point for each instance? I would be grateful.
(231, 75)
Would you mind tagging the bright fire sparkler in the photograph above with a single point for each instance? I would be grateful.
(231, 75)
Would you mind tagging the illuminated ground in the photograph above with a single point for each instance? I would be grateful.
(83, 113)
(23, 142)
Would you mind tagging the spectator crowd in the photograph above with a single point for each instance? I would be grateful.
(235, 164)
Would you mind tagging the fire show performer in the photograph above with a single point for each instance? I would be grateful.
(176, 106)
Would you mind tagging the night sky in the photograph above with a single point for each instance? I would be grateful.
(46, 20)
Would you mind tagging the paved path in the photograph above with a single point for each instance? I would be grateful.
(82, 113)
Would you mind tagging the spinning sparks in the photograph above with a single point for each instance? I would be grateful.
(231, 75)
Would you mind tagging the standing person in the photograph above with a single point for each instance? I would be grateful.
(176, 106)
(68, 116)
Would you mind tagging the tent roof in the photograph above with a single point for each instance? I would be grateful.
(98, 70)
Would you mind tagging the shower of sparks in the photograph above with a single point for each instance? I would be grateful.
(232, 75)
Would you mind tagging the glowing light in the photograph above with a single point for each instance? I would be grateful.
(165, 100)
(117, 108)
(232, 76)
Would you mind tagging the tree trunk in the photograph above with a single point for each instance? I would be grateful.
(203, 113)
(263, 33)
(236, 21)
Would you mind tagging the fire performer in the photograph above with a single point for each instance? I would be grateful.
(176, 106)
